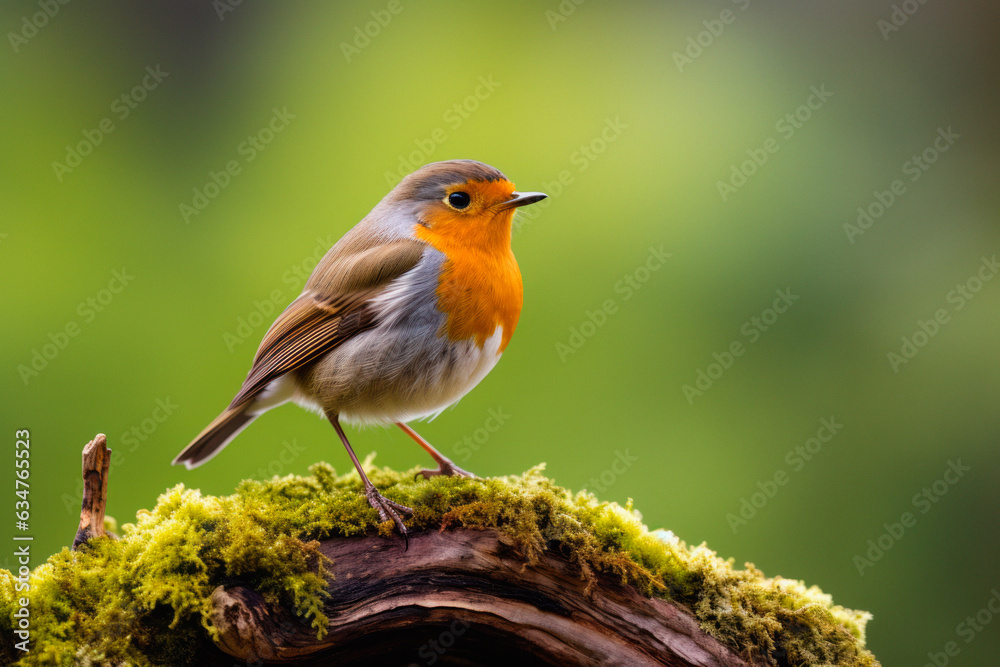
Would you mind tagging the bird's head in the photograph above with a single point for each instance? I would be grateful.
(463, 201)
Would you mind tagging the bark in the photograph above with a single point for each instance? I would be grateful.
(464, 597)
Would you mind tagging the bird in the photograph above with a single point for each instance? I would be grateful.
(401, 318)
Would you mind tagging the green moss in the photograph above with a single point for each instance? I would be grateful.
(143, 599)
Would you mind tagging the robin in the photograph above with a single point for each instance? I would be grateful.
(402, 317)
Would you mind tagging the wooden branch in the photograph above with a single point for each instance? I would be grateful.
(462, 597)
(96, 461)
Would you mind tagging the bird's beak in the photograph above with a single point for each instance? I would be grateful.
(523, 199)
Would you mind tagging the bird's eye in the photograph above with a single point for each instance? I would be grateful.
(459, 199)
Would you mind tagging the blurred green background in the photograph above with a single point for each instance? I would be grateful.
(629, 115)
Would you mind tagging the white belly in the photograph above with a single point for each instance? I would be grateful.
(383, 378)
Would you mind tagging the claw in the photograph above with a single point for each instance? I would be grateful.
(388, 509)
(447, 468)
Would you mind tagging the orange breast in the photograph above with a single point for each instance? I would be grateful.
(480, 285)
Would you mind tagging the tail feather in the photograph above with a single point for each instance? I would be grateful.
(216, 435)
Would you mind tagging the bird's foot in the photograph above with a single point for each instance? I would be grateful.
(446, 468)
(388, 509)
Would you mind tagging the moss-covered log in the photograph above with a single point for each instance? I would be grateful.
(299, 568)
(458, 596)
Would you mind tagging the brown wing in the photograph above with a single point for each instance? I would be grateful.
(333, 308)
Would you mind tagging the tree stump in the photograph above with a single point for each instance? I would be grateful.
(464, 597)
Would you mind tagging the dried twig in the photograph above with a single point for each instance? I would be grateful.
(96, 461)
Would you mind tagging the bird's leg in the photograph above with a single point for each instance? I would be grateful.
(445, 466)
(386, 508)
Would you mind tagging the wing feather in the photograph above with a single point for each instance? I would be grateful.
(333, 308)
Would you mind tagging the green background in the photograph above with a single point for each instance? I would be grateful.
(555, 87)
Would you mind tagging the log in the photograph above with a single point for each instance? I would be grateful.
(511, 570)
(464, 597)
